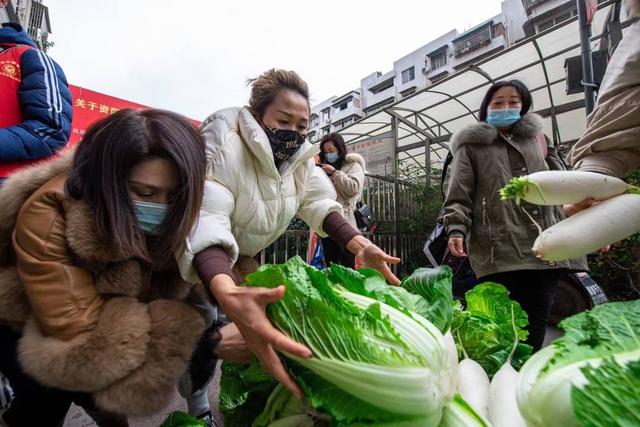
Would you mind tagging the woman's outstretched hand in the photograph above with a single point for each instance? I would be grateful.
(246, 308)
(372, 256)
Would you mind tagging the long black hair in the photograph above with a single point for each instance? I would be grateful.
(521, 88)
(103, 161)
(338, 141)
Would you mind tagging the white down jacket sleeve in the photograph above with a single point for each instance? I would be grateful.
(319, 200)
(212, 229)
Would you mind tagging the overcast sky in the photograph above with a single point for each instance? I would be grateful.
(194, 56)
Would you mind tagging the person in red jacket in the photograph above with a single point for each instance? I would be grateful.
(35, 102)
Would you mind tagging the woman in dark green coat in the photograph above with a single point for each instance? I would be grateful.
(507, 142)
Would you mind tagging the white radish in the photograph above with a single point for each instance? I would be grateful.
(591, 229)
(473, 384)
(564, 187)
(503, 407)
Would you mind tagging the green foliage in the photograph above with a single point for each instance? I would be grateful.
(485, 329)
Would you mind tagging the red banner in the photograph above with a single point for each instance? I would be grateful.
(90, 106)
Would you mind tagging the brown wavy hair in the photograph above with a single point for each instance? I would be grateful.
(103, 162)
(268, 85)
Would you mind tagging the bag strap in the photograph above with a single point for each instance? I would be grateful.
(445, 168)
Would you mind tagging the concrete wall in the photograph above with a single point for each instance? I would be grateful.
(545, 7)
(513, 16)
(419, 60)
(369, 98)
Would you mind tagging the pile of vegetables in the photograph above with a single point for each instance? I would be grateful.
(374, 362)
(591, 376)
(614, 217)
(388, 356)
(383, 355)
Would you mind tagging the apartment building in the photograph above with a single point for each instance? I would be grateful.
(427, 64)
(33, 15)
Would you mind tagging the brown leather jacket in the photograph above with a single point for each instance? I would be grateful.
(93, 319)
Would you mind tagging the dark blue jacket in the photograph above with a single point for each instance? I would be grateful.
(45, 101)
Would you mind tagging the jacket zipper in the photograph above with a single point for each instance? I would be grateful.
(487, 223)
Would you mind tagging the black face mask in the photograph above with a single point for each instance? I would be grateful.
(284, 143)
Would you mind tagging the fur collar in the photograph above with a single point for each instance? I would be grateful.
(81, 232)
(115, 272)
(355, 158)
(19, 187)
(483, 133)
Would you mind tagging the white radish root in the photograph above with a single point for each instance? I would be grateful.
(473, 386)
(503, 406)
(591, 229)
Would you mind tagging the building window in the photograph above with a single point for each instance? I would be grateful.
(408, 92)
(408, 75)
(343, 106)
(381, 87)
(313, 122)
(545, 25)
(438, 59)
(326, 115)
(563, 17)
(473, 41)
(35, 20)
(326, 130)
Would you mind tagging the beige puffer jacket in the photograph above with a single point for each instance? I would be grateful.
(348, 182)
(611, 143)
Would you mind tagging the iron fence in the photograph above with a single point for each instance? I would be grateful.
(389, 199)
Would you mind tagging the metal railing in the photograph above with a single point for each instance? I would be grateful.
(389, 200)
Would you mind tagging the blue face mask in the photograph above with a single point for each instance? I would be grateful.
(150, 216)
(503, 118)
(331, 157)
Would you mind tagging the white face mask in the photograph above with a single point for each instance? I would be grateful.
(331, 157)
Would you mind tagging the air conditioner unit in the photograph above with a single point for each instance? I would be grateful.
(426, 70)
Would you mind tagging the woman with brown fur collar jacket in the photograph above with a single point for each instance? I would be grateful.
(499, 235)
(91, 301)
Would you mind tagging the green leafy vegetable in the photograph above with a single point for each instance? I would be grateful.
(596, 360)
(612, 396)
(281, 404)
(371, 363)
(458, 413)
(180, 419)
(244, 390)
(426, 292)
(434, 285)
(485, 328)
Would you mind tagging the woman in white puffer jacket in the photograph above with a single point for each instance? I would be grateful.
(346, 172)
(260, 174)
